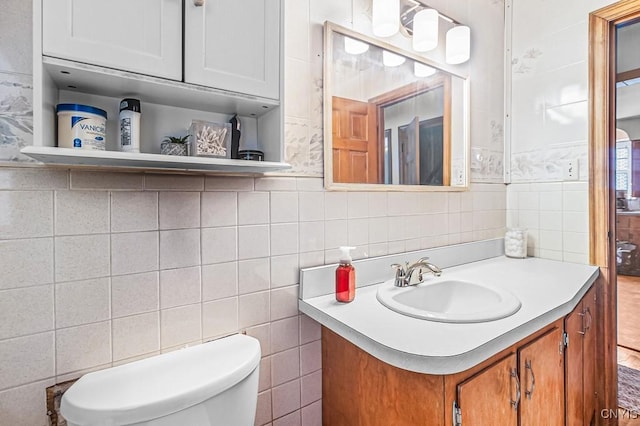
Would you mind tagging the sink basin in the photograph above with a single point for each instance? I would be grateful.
(449, 300)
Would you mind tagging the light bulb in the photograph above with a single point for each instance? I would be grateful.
(422, 70)
(354, 47)
(386, 17)
(425, 30)
(458, 48)
(391, 59)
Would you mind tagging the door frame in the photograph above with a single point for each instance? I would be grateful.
(602, 125)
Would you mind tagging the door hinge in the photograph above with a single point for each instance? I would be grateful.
(565, 339)
(457, 415)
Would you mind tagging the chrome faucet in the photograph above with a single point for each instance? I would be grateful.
(406, 274)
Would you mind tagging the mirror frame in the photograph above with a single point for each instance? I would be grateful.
(329, 29)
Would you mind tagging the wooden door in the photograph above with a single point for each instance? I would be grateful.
(143, 36)
(234, 46)
(409, 147)
(355, 152)
(635, 168)
(589, 357)
(541, 366)
(490, 397)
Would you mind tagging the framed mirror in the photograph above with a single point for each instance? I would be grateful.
(392, 119)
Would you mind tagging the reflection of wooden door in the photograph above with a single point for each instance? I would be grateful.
(431, 152)
(486, 398)
(355, 152)
(541, 365)
(409, 146)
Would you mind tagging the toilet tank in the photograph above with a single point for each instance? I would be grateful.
(167, 385)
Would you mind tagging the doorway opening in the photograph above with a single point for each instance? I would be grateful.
(603, 24)
(627, 232)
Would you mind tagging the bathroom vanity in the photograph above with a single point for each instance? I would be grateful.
(535, 366)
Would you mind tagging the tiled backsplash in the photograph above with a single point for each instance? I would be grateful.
(103, 268)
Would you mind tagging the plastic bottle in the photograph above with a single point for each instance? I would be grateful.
(129, 134)
(345, 277)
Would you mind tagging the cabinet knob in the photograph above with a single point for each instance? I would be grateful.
(198, 3)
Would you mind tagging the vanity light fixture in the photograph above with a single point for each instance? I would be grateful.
(391, 59)
(425, 30)
(386, 17)
(354, 47)
(422, 70)
(417, 20)
(458, 48)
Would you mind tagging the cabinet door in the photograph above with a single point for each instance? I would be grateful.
(589, 356)
(574, 368)
(490, 397)
(233, 45)
(541, 365)
(143, 36)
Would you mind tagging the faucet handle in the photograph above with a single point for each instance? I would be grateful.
(401, 273)
(400, 269)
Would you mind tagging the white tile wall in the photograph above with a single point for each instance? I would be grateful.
(134, 294)
(82, 302)
(134, 252)
(19, 270)
(25, 311)
(145, 224)
(550, 126)
(556, 216)
(81, 212)
(136, 335)
(134, 211)
(133, 290)
(179, 210)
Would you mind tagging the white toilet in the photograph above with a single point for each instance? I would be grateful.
(215, 383)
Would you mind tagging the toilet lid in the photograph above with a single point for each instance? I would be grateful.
(160, 385)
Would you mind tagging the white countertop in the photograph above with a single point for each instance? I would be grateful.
(547, 289)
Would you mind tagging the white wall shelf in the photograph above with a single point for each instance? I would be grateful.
(115, 159)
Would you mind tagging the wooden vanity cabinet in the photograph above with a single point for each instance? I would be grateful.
(525, 387)
(580, 363)
(534, 382)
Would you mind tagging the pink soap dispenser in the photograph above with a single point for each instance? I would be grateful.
(345, 277)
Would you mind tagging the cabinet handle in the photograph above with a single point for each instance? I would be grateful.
(529, 392)
(585, 314)
(198, 3)
(589, 319)
(516, 402)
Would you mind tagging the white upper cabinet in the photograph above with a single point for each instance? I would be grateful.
(233, 45)
(142, 36)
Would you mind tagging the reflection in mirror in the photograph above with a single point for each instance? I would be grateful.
(394, 118)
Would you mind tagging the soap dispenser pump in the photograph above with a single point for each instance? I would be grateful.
(345, 277)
